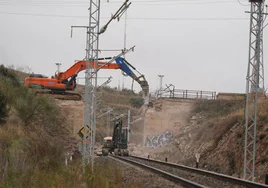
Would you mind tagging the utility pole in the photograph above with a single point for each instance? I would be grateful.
(254, 85)
(125, 44)
(92, 48)
(58, 66)
(91, 79)
(128, 126)
(108, 125)
(160, 86)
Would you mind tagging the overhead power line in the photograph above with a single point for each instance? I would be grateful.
(133, 18)
(135, 3)
(42, 15)
(189, 19)
(243, 3)
(104, 1)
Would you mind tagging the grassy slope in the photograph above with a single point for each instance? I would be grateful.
(215, 130)
(223, 125)
(33, 142)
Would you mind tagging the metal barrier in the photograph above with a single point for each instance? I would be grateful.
(171, 92)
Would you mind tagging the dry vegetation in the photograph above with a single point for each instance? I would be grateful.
(215, 130)
(222, 132)
(34, 137)
(217, 108)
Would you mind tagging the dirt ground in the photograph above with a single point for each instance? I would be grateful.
(167, 116)
(170, 129)
(164, 121)
(74, 112)
(173, 130)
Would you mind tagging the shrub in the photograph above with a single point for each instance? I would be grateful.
(264, 160)
(10, 74)
(136, 102)
(108, 89)
(31, 108)
(231, 160)
(262, 136)
(8, 79)
(263, 110)
(36, 141)
(127, 91)
(215, 108)
(3, 108)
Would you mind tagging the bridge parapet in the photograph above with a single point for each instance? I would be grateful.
(171, 92)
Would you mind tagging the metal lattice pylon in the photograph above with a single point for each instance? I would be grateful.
(92, 48)
(254, 86)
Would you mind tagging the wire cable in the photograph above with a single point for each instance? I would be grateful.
(129, 18)
(137, 3)
(242, 3)
(86, 2)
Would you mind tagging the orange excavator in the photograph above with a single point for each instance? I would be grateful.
(62, 82)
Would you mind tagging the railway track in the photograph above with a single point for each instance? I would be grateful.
(187, 176)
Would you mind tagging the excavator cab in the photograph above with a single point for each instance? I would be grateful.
(107, 145)
(118, 143)
(37, 76)
(107, 141)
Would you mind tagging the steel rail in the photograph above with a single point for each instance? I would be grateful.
(169, 176)
(215, 175)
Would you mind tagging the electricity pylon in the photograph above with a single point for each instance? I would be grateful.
(254, 86)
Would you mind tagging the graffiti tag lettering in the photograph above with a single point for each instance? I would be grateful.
(159, 140)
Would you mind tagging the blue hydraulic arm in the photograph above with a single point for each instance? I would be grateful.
(125, 67)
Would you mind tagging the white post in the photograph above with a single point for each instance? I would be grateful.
(197, 156)
(160, 87)
(58, 66)
(108, 125)
(71, 157)
(66, 158)
(128, 126)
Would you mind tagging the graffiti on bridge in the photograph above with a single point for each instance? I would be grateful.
(159, 140)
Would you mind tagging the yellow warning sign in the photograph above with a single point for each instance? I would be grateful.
(82, 132)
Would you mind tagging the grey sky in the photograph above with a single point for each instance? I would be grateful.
(192, 54)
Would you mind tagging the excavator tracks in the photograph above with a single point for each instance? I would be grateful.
(60, 96)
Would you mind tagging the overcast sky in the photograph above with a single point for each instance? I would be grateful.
(197, 49)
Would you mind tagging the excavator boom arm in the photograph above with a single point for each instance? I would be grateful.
(82, 65)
